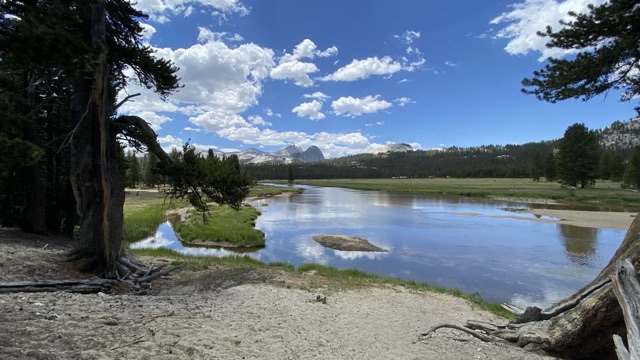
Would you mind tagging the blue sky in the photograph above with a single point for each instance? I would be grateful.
(348, 76)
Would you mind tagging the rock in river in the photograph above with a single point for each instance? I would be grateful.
(346, 243)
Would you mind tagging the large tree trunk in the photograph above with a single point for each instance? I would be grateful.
(95, 176)
(582, 326)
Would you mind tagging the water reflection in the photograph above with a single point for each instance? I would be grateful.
(165, 238)
(502, 258)
(580, 243)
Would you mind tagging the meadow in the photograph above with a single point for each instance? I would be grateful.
(605, 195)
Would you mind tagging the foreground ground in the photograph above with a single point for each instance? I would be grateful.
(225, 313)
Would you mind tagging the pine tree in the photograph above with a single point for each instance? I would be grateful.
(604, 166)
(550, 168)
(632, 172)
(537, 167)
(578, 157)
(616, 168)
(290, 174)
(134, 171)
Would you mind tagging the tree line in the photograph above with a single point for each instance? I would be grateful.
(576, 159)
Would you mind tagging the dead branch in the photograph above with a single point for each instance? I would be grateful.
(485, 338)
(627, 290)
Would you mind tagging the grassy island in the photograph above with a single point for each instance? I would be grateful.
(221, 226)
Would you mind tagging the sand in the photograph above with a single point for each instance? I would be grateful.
(226, 314)
(593, 219)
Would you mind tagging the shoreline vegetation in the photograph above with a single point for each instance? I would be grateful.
(144, 210)
(604, 196)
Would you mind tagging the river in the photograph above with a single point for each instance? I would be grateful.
(430, 239)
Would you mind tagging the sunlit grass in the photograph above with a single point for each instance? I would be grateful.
(222, 224)
(263, 191)
(327, 277)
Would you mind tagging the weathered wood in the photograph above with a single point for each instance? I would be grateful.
(155, 275)
(512, 309)
(627, 290)
(483, 337)
(79, 286)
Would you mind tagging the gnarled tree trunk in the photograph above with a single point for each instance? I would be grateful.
(96, 180)
(582, 326)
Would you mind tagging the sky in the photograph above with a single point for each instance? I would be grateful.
(350, 76)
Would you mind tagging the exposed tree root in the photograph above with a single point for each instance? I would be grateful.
(483, 337)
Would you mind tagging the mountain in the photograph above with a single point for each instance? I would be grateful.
(621, 135)
(391, 148)
(290, 154)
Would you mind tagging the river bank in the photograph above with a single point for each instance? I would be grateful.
(226, 312)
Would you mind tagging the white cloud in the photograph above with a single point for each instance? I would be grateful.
(450, 63)
(290, 66)
(160, 9)
(270, 112)
(362, 69)
(402, 101)
(192, 129)
(350, 106)
(379, 123)
(403, 81)
(296, 70)
(408, 36)
(385, 66)
(310, 109)
(526, 18)
(170, 142)
(332, 51)
(258, 120)
(317, 95)
(205, 35)
(147, 31)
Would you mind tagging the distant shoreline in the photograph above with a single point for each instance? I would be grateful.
(591, 219)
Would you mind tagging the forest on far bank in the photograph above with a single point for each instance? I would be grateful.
(539, 161)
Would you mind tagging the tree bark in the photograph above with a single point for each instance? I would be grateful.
(95, 176)
(582, 326)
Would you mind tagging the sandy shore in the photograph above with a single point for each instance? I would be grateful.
(593, 219)
(226, 313)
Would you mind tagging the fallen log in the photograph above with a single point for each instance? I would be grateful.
(84, 286)
(627, 290)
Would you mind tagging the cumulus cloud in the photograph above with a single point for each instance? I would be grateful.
(363, 69)
(350, 106)
(316, 95)
(159, 10)
(188, 128)
(408, 36)
(205, 35)
(525, 19)
(309, 109)
(295, 70)
(270, 112)
(170, 142)
(402, 101)
(450, 63)
(258, 120)
(290, 66)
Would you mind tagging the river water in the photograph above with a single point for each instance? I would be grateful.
(447, 241)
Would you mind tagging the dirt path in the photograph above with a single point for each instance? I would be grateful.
(224, 313)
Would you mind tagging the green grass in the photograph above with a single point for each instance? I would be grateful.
(264, 191)
(143, 212)
(222, 225)
(327, 277)
(606, 195)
